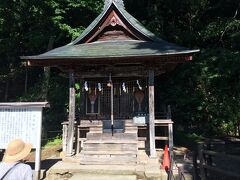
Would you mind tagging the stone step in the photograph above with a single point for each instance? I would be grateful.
(96, 128)
(94, 146)
(131, 131)
(112, 141)
(88, 123)
(109, 131)
(121, 156)
(107, 148)
(114, 160)
(115, 136)
(63, 167)
(109, 152)
(131, 128)
(128, 121)
(82, 176)
(130, 124)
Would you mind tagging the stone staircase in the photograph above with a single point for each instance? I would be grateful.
(105, 148)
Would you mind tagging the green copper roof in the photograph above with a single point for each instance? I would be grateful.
(107, 49)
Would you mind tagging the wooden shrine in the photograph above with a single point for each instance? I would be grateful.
(115, 61)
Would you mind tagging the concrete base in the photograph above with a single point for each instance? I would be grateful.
(102, 177)
(146, 169)
(63, 170)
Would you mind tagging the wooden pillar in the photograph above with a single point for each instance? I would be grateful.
(64, 136)
(170, 139)
(82, 100)
(112, 123)
(151, 114)
(170, 134)
(71, 117)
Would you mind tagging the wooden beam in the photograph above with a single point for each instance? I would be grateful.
(103, 75)
(78, 61)
(151, 115)
(83, 72)
(71, 118)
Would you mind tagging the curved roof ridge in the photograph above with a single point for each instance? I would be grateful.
(108, 3)
(127, 16)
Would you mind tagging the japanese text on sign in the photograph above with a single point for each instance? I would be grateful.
(19, 122)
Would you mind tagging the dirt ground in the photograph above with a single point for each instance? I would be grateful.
(47, 153)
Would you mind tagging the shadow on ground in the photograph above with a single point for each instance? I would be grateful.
(45, 166)
(1, 154)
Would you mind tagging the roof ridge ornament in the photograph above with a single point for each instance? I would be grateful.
(107, 3)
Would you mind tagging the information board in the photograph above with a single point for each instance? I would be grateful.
(139, 120)
(20, 122)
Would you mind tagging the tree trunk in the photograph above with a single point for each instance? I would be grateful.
(26, 79)
(238, 129)
(47, 73)
(45, 85)
(6, 91)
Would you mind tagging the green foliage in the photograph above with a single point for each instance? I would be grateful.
(187, 139)
(33, 23)
(26, 27)
(204, 93)
(78, 89)
(57, 98)
(53, 142)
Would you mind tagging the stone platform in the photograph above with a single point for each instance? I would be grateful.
(71, 171)
(145, 169)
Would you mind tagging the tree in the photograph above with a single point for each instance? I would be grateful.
(204, 93)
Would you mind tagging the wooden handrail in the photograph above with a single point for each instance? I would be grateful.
(161, 138)
(222, 171)
(205, 166)
(163, 121)
(217, 154)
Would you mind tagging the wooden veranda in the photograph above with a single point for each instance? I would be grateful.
(115, 61)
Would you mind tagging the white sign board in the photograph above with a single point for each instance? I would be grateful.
(20, 123)
(23, 121)
(139, 120)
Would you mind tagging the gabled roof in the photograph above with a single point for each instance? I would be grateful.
(128, 17)
(145, 44)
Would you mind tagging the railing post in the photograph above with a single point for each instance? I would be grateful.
(170, 139)
(202, 162)
(195, 165)
(64, 137)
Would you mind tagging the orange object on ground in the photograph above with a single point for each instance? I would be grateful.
(166, 159)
